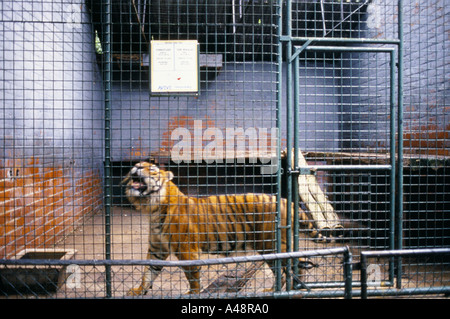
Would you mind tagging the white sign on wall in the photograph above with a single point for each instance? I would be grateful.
(174, 67)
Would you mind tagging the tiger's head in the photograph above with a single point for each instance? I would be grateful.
(146, 180)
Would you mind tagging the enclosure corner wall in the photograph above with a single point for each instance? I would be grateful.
(51, 140)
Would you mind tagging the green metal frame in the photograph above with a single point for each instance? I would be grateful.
(293, 47)
(107, 80)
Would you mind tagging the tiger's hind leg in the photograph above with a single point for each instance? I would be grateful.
(193, 276)
(191, 252)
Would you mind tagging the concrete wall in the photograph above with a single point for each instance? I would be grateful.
(240, 96)
(426, 89)
(51, 127)
(427, 77)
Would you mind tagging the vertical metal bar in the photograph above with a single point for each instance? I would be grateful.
(288, 138)
(393, 164)
(363, 263)
(107, 165)
(400, 143)
(278, 122)
(348, 273)
(296, 155)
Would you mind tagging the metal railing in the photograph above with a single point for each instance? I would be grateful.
(109, 263)
(399, 290)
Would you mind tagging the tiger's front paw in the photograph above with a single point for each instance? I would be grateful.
(193, 291)
(268, 290)
(136, 291)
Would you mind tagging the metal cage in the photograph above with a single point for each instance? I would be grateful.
(336, 107)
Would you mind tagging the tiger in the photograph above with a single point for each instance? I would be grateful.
(187, 226)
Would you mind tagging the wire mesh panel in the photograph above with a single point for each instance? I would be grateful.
(426, 221)
(51, 140)
(425, 140)
(347, 118)
(61, 125)
(212, 141)
(142, 139)
(349, 142)
(343, 125)
(425, 272)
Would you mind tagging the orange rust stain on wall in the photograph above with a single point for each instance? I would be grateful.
(174, 123)
(429, 140)
(39, 205)
(186, 122)
(137, 151)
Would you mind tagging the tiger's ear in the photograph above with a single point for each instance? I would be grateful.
(169, 175)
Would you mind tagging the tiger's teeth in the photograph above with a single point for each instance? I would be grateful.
(136, 185)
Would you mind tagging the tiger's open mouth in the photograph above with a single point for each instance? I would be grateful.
(138, 183)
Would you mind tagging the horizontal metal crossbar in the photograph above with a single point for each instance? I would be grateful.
(341, 40)
(313, 168)
(349, 49)
(178, 263)
(405, 252)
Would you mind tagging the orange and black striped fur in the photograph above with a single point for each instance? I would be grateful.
(186, 226)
